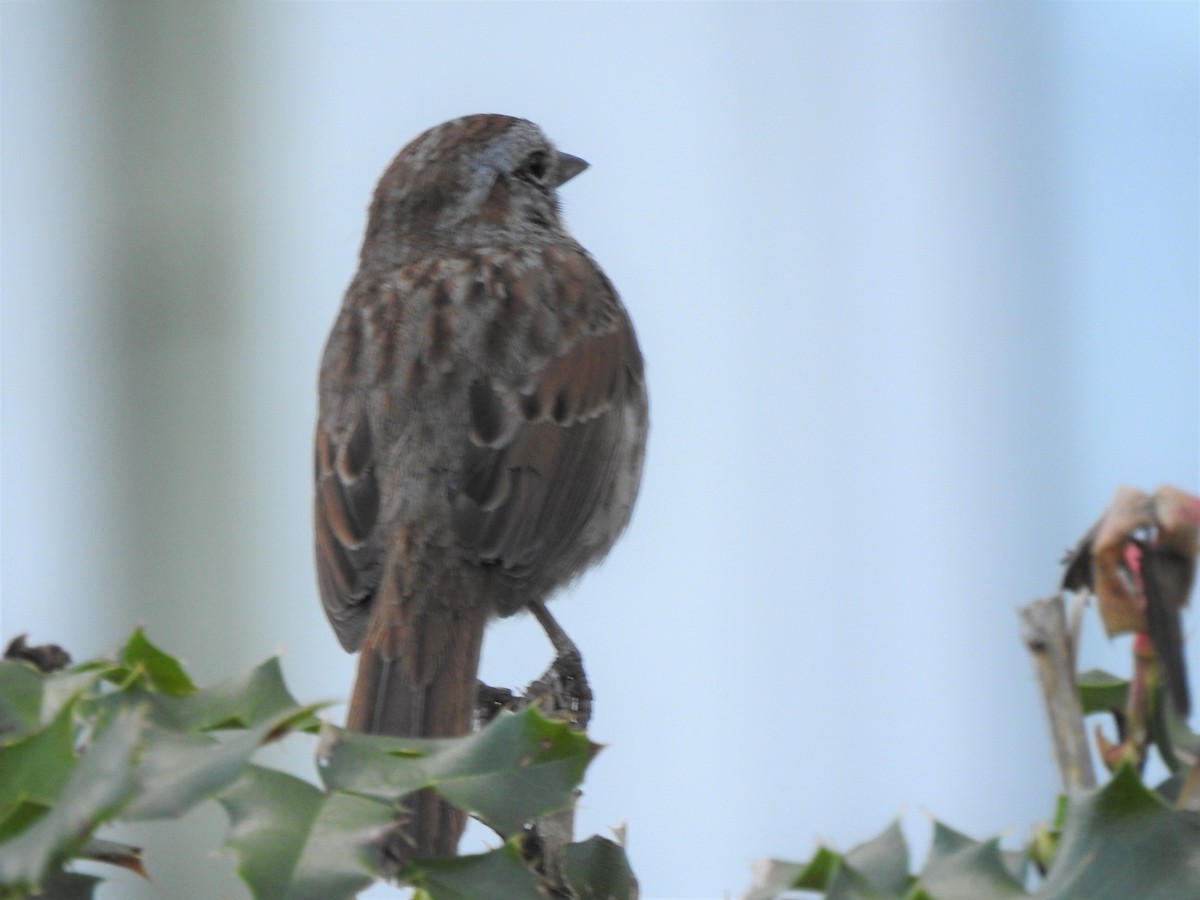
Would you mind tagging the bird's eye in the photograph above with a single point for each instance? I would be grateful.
(535, 167)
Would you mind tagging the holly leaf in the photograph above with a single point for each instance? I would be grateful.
(598, 869)
(33, 772)
(96, 790)
(519, 768)
(1123, 841)
(500, 873)
(958, 866)
(293, 842)
(1101, 691)
(157, 670)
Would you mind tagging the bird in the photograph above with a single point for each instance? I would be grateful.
(481, 427)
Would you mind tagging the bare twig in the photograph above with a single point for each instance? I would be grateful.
(1075, 610)
(1044, 632)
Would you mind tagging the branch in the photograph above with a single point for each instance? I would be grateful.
(1044, 632)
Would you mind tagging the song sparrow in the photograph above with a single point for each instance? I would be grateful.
(481, 429)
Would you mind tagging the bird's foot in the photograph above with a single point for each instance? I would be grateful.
(563, 691)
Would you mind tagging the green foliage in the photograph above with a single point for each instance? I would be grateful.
(501, 873)
(132, 738)
(292, 840)
(520, 768)
(597, 869)
(1102, 692)
(1123, 840)
(1116, 842)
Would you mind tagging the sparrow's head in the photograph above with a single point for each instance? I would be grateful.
(480, 179)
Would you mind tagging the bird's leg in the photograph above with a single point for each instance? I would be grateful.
(563, 645)
(563, 693)
(563, 690)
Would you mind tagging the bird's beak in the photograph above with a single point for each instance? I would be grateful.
(568, 167)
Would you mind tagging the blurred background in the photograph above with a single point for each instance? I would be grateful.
(917, 286)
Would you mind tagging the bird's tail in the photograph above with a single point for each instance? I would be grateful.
(418, 677)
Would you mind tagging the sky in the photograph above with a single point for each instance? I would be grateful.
(917, 288)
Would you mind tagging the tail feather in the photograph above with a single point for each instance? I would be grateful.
(393, 696)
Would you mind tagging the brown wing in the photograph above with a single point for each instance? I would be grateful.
(541, 464)
(349, 547)
(551, 422)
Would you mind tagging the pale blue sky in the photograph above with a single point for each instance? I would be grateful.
(917, 286)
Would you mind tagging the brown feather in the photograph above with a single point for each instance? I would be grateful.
(529, 499)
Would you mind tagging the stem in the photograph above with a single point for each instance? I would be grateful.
(1044, 632)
